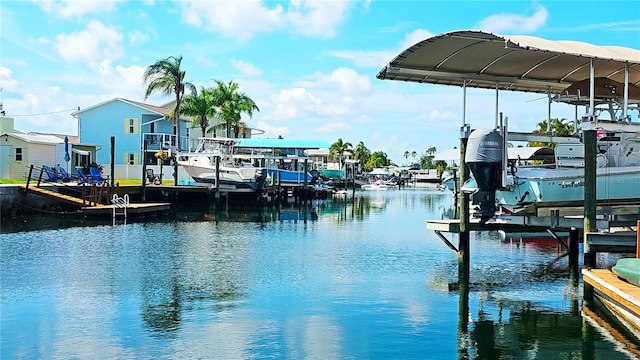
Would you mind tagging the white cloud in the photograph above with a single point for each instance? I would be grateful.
(291, 104)
(379, 58)
(415, 37)
(7, 82)
(333, 127)
(234, 19)
(362, 58)
(317, 18)
(246, 69)
(271, 131)
(348, 81)
(96, 43)
(137, 37)
(71, 8)
(510, 23)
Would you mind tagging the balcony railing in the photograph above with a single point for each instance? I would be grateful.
(156, 142)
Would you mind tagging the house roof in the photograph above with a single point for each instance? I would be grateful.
(519, 63)
(159, 110)
(36, 138)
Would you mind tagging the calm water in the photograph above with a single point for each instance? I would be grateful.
(343, 281)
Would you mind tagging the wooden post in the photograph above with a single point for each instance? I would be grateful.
(463, 246)
(590, 145)
(638, 240)
(306, 189)
(29, 177)
(143, 193)
(113, 149)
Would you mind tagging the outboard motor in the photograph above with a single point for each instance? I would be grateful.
(484, 159)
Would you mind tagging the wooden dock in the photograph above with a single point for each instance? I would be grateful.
(95, 207)
(621, 298)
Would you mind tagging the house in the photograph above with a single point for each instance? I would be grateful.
(133, 123)
(18, 151)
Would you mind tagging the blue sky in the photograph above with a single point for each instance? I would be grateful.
(310, 65)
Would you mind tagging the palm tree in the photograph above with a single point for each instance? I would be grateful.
(166, 77)
(406, 155)
(231, 103)
(200, 107)
(338, 148)
(361, 154)
(413, 155)
(559, 127)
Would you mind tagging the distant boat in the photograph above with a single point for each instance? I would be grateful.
(234, 171)
(379, 179)
(332, 174)
(290, 171)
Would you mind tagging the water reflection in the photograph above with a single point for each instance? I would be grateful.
(340, 278)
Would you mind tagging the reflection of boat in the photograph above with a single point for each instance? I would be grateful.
(234, 171)
(621, 296)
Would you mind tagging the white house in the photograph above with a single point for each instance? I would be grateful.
(18, 151)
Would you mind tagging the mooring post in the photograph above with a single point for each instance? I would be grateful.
(144, 171)
(590, 145)
(306, 188)
(463, 246)
(113, 163)
(574, 238)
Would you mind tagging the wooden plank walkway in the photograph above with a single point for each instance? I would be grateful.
(67, 199)
(620, 297)
(96, 208)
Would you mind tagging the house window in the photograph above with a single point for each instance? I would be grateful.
(132, 159)
(131, 126)
(18, 154)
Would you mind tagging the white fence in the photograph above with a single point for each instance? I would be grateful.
(134, 172)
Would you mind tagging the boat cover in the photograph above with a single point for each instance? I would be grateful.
(484, 146)
(629, 270)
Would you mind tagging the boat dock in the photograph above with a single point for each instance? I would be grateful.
(618, 296)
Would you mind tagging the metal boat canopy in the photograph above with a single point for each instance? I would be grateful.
(518, 63)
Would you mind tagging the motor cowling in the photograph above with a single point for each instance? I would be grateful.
(483, 156)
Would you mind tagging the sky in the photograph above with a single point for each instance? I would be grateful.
(310, 65)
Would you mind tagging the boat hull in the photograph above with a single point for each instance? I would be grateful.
(289, 177)
(230, 178)
(567, 185)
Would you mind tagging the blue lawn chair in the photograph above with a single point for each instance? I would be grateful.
(97, 177)
(82, 178)
(64, 175)
(50, 173)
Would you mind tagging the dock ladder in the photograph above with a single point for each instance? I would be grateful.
(120, 205)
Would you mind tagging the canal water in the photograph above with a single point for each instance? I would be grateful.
(359, 279)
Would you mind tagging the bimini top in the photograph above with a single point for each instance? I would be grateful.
(518, 63)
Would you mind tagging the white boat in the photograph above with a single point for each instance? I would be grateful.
(234, 172)
(449, 181)
(377, 184)
(617, 177)
(379, 179)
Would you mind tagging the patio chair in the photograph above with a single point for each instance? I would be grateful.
(50, 173)
(97, 177)
(152, 178)
(82, 178)
(64, 175)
